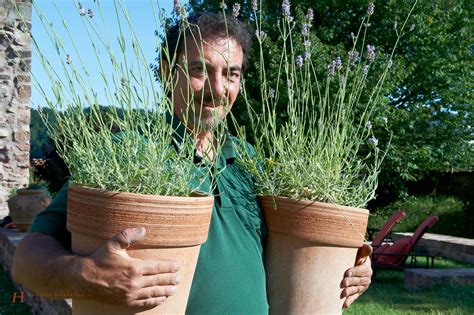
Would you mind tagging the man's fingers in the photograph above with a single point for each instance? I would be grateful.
(156, 292)
(348, 291)
(363, 253)
(350, 300)
(154, 267)
(147, 303)
(355, 281)
(161, 279)
(362, 270)
(127, 237)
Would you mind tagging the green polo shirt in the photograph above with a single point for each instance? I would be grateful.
(230, 275)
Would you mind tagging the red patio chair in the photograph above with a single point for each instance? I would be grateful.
(386, 228)
(394, 256)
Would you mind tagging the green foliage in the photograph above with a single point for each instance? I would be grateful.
(454, 216)
(144, 157)
(429, 92)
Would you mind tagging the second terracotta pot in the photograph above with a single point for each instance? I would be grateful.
(26, 205)
(310, 246)
(175, 229)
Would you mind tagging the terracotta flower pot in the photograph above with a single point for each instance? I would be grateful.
(26, 205)
(175, 229)
(310, 246)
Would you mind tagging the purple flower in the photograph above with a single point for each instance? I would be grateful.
(332, 69)
(373, 141)
(310, 15)
(299, 61)
(365, 70)
(271, 93)
(306, 55)
(368, 124)
(353, 57)
(370, 8)
(254, 5)
(90, 13)
(338, 63)
(178, 8)
(285, 8)
(370, 53)
(82, 11)
(305, 29)
(223, 5)
(68, 60)
(307, 43)
(261, 35)
(236, 9)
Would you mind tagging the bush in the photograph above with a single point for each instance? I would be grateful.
(454, 215)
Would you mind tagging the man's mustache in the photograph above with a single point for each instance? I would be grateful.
(209, 99)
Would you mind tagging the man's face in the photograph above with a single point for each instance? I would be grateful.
(207, 81)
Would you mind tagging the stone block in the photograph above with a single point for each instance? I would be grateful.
(4, 133)
(25, 147)
(21, 136)
(428, 278)
(24, 91)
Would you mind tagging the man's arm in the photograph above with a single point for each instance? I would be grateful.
(46, 268)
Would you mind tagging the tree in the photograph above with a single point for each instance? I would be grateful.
(429, 93)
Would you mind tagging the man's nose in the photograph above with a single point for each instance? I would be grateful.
(218, 86)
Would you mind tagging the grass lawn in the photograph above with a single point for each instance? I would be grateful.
(387, 295)
(7, 306)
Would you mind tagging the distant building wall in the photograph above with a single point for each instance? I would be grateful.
(15, 91)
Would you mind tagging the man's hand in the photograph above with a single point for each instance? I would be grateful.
(357, 279)
(112, 275)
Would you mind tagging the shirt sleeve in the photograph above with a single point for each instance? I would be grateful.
(52, 220)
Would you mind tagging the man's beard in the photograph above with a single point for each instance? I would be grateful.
(207, 121)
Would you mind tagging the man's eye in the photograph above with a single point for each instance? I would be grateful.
(197, 69)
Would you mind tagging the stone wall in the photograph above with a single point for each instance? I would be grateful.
(15, 91)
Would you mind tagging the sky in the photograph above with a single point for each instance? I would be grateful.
(78, 44)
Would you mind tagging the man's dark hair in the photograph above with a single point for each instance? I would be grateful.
(206, 25)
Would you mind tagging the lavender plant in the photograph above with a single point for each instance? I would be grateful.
(317, 153)
(143, 156)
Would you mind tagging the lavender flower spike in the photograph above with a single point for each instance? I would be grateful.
(236, 9)
(90, 13)
(306, 55)
(299, 61)
(373, 141)
(305, 29)
(370, 53)
(223, 5)
(353, 57)
(254, 5)
(366, 70)
(261, 35)
(332, 69)
(82, 11)
(271, 93)
(338, 63)
(310, 15)
(370, 8)
(285, 8)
